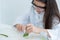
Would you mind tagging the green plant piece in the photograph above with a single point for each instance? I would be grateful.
(4, 35)
(25, 34)
(43, 38)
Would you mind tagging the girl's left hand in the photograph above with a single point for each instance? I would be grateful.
(31, 28)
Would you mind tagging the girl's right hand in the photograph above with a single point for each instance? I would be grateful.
(20, 27)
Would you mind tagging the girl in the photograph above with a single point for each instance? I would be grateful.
(43, 17)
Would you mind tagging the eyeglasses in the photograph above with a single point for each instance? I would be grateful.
(38, 6)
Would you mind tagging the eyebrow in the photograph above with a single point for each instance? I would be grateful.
(44, 1)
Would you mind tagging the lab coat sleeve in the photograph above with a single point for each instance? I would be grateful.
(54, 32)
(22, 19)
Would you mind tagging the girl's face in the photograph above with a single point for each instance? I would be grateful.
(39, 6)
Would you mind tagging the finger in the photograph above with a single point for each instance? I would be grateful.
(22, 28)
(28, 25)
(29, 31)
(29, 28)
(19, 28)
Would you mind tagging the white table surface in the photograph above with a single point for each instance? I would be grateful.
(10, 31)
(14, 34)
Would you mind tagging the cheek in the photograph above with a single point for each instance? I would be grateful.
(39, 9)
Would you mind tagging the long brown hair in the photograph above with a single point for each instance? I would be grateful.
(50, 11)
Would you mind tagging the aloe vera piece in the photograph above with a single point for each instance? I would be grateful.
(25, 34)
(4, 35)
(43, 38)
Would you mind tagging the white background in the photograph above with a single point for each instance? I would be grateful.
(10, 9)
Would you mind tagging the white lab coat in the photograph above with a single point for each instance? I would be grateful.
(37, 20)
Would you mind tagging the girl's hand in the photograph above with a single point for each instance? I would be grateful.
(20, 27)
(31, 28)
